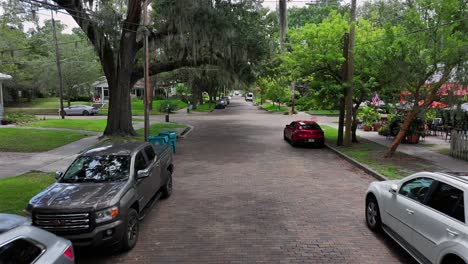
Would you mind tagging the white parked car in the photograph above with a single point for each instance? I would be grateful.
(249, 97)
(79, 110)
(425, 213)
(22, 243)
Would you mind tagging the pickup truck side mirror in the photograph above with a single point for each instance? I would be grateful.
(143, 174)
(58, 174)
(393, 188)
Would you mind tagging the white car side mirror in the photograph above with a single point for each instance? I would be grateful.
(393, 188)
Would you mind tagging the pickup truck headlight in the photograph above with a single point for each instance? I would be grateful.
(107, 214)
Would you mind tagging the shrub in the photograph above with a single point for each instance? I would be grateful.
(18, 118)
(163, 107)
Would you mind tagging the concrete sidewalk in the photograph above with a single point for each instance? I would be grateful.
(426, 149)
(15, 163)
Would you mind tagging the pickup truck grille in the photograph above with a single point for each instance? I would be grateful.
(62, 222)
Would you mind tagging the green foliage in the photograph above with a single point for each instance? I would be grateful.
(369, 114)
(274, 108)
(168, 106)
(34, 70)
(18, 118)
(15, 192)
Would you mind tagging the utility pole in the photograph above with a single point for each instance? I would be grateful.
(293, 84)
(59, 68)
(146, 67)
(349, 76)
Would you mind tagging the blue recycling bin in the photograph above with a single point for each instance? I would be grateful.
(158, 140)
(172, 138)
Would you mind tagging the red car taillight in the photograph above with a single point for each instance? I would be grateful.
(69, 253)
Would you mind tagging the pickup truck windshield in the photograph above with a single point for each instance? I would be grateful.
(98, 169)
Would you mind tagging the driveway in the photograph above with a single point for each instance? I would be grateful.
(243, 195)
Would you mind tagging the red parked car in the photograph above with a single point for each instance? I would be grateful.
(304, 132)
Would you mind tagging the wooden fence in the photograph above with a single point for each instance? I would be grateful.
(459, 144)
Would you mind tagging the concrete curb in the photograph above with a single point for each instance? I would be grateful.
(186, 131)
(356, 163)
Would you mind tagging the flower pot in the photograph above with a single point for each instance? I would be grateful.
(367, 128)
(376, 126)
(412, 139)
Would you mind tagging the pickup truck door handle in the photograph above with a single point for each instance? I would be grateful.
(410, 211)
(451, 232)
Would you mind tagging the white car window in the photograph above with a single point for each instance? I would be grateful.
(416, 189)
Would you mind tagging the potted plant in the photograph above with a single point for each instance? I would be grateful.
(370, 116)
(415, 129)
(376, 126)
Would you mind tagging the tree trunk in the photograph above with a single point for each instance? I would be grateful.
(339, 140)
(401, 133)
(354, 126)
(119, 118)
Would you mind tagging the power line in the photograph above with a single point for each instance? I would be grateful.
(57, 7)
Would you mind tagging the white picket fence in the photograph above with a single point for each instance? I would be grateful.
(459, 144)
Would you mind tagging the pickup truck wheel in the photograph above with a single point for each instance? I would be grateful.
(167, 188)
(373, 219)
(130, 236)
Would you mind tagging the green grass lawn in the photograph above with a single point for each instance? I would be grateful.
(34, 140)
(445, 151)
(372, 155)
(153, 131)
(156, 128)
(205, 107)
(78, 124)
(274, 108)
(16, 192)
(323, 112)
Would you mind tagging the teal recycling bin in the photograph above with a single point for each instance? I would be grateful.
(158, 140)
(172, 138)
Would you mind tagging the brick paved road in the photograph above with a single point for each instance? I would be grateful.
(243, 195)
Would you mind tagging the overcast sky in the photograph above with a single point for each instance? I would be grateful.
(70, 23)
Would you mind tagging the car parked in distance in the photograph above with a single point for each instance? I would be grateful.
(220, 104)
(79, 110)
(22, 243)
(425, 213)
(103, 195)
(227, 99)
(249, 97)
(304, 133)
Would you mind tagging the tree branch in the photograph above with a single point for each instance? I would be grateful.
(94, 33)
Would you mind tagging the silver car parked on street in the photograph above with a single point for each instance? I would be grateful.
(22, 243)
(79, 110)
(425, 213)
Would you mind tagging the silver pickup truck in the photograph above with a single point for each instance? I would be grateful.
(103, 195)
